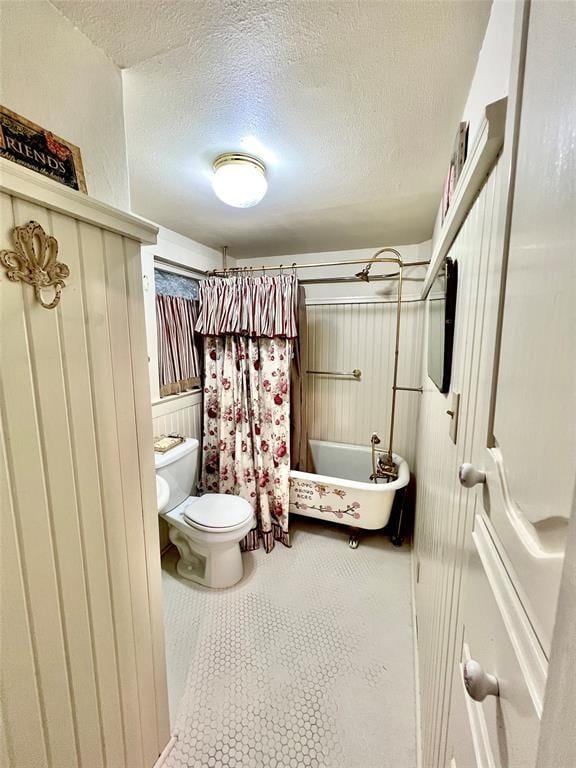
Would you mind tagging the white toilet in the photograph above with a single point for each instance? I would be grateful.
(207, 530)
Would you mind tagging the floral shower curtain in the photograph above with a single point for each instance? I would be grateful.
(249, 324)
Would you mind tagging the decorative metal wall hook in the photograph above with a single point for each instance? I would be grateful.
(35, 262)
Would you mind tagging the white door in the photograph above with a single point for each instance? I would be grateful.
(525, 425)
(530, 451)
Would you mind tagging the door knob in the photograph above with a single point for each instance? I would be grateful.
(469, 476)
(478, 683)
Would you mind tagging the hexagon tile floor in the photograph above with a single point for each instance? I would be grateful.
(307, 662)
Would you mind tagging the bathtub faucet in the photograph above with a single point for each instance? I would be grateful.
(384, 467)
(387, 466)
(374, 440)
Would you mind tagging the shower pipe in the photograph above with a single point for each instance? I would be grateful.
(388, 467)
(373, 279)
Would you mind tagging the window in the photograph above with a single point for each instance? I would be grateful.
(179, 366)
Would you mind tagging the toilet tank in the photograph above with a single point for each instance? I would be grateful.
(179, 467)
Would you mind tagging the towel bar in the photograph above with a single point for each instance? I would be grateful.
(356, 373)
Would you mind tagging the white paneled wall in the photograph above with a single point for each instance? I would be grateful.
(344, 336)
(83, 669)
(444, 511)
(181, 414)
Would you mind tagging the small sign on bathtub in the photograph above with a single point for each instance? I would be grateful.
(313, 499)
(303, 488)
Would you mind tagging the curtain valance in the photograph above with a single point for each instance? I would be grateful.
(249, 306)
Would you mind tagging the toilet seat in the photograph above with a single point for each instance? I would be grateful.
(217, 512)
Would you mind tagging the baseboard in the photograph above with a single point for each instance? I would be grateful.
(165, 752)
(416, 665)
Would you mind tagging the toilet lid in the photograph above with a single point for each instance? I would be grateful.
(218, 510)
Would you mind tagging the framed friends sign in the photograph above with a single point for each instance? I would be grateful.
(34, 147)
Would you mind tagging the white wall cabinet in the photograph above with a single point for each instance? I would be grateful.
(83, 670)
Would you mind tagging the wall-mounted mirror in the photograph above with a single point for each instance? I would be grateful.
(441, 316)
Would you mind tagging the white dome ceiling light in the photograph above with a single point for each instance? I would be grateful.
(239, 180)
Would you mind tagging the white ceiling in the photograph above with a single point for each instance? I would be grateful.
(351, 105)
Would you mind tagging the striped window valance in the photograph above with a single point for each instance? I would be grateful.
(250, 306)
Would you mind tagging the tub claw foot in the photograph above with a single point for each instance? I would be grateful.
(354, 540)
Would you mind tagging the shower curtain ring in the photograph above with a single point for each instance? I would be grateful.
(294, 268)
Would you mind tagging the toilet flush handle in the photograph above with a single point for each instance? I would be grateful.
(469, 476)
(478, 683)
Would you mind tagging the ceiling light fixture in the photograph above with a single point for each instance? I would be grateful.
(239, 180)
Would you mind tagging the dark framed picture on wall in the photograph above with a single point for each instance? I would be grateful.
(34, 147)
(459, 154)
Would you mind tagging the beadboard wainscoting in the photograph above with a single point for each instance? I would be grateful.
(343, 336)
(83, 667)
(444, 511)
(181, 414)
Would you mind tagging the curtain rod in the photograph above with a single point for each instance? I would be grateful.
(355, 300)
(354, 279)
(318, 264)
(184, 267)
(310, 281)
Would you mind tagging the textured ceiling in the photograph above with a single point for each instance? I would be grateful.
(351, 105)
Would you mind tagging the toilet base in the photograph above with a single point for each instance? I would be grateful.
(216, 566)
